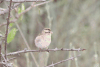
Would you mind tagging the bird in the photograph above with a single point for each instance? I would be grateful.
(43, 40)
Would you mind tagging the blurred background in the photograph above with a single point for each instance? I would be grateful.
(75, 24)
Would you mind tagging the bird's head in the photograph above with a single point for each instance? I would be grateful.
(47, 31)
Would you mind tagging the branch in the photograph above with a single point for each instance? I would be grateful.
(10, 59)
(47, 50)
(61, 61)
(1, 1)
(0, 48)
(20, 1)
(5, 60)
(5, 24)
(15, 19)
(7, 10)
(29, 8)
(2, 63)
(7, 28)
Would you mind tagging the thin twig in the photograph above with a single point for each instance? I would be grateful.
(32, 5)
(47, 50)
(7, 10)
(5, 60)
(29, 8)
(2, 63)
(21, 31)
(7, 29)
(26, 43)
(20, 1)
(10, 59)
(61, 61)
(0, 48)
(5, 24)
(1, 1)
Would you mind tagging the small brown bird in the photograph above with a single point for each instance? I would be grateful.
(44, 39)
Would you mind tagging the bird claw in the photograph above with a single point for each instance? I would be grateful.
(47, 50)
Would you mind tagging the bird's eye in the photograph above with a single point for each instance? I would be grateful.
(48, 29)
(47, 32)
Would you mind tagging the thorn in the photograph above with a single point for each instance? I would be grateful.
(79, 49)
(18, 54)
(83, 49)
(48, 50)
(56, 48)
(61, 48)
(0, 35)
(71, 49)
(25, 49)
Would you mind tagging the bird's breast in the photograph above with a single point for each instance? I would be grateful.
(43, 41)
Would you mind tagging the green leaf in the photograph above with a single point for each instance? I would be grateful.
(23, 7)
(11, 24)
(19, 10)
(11, 35)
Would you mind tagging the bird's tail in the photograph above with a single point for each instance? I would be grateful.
(43, 58)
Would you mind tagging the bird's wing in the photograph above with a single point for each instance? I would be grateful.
(38, 39)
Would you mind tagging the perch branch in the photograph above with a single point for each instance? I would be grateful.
(21, 31)
(47, 50)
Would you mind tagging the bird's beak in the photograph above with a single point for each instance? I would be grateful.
(51, 32)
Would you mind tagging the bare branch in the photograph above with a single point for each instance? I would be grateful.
(7, 10)
(2, 63)
(10, 59)
(19, 1)
(15, 19)
(29, 8)
(7, 28)
(0, 49)
(1, 1)
(5, 24)
(32, 5)
(47, 50)
(61, 61)
(5, 60)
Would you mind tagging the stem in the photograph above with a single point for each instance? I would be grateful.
(7, 29)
